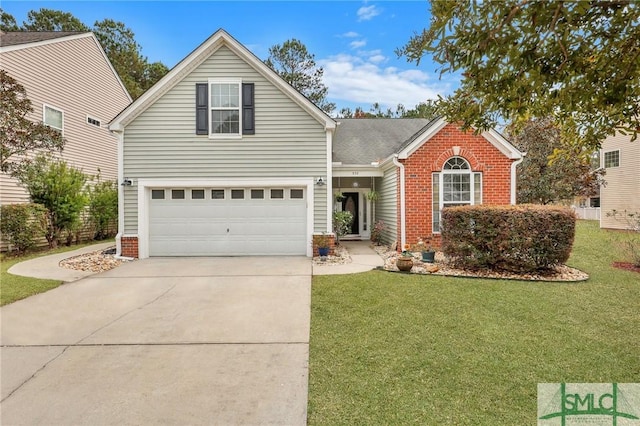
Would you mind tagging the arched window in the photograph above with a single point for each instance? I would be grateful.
(455, 185)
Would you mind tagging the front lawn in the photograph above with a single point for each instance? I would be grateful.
(14, 287)
(410, 349)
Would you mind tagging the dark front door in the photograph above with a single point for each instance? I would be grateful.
(350, 203)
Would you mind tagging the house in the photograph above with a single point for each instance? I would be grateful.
(73, 88)
(621, 159)
(223, 157)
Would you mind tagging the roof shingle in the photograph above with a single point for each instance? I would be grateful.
(14, 38)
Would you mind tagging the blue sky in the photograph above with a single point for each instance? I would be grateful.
(354, 41)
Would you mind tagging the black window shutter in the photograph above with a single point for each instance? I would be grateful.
(202, 115)
(248, 109)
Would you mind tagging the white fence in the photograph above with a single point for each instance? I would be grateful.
(588, 213)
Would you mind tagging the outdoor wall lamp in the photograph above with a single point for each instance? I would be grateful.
(127, 182)
(320, 181)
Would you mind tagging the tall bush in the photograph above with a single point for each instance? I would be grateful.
(22, 224)
(59, 188)
(103, 208)
(523, 238)
(342, 221)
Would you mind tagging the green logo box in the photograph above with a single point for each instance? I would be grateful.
(593, 404)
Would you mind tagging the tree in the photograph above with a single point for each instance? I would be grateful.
(543, 180)
(429, 110)
(20, 136)
(60, 189)
(297, 66)
(7, 22)
(52, 20)
(575, 61)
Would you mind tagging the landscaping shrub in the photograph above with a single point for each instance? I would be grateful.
(58, 187)
(523, 238)
(103, 208)
(22, 224)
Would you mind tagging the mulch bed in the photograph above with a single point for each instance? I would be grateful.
(626, 266)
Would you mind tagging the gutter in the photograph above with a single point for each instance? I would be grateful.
(513, 177)
(403, 233)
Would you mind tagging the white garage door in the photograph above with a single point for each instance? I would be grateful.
(227, 221)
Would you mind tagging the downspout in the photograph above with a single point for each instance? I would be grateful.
(120, 136)
(329, 228)
(513, 178)
(403, 234)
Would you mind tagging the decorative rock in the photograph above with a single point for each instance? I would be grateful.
(432, 268)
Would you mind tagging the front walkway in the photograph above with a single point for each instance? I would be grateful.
(363, 259)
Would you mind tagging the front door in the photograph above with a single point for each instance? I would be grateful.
(350, 203)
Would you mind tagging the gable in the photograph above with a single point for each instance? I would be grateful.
(220, 44)
(491, 136)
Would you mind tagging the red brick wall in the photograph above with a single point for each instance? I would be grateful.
(332, 244)
(129, 246)
(430, 157)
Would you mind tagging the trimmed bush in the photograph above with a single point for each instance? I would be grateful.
(22, 225)
(522, 238)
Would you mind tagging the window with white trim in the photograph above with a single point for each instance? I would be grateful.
(225, 107)
(455, 185)
(612, 159)
(53, 117)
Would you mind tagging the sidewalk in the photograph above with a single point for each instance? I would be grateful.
(363, 259)
(47, 267)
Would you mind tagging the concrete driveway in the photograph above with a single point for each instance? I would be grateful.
(216, 341)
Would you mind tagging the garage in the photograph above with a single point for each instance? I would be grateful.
(218, 221)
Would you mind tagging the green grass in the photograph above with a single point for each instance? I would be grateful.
(410, 349)
(14, 287)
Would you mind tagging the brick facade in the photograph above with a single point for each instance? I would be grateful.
(430, 157)
(129, 246)
(332, 244)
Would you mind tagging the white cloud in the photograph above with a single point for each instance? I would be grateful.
(350, 34)
(362, 82)
(365, 13)
(357, 44)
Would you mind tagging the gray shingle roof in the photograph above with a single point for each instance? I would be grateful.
(364, 140)
(14, 38)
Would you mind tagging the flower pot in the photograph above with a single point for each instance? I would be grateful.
(428, 256)
(404, 263)
(323, 251)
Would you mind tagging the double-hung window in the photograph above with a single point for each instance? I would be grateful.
(53, 117)
(612, 159)
(455, 185)
(224, 106)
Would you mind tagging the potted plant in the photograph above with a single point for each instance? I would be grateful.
(371, 195)
(323, 242)
(428, 254)
(404, 262)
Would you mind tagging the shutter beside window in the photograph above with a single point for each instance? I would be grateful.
(202, 116)
(248, 109)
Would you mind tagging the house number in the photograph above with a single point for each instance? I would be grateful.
(354, 173)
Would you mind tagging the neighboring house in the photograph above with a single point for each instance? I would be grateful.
(72, 87)
(621, 159)
(223, 157)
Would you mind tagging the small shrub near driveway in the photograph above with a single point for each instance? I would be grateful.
(22, 224)
(523, 238)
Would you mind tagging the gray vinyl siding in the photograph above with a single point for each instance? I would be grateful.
(387, 204)
(161, 142)
(75, 77)
(622, 191)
